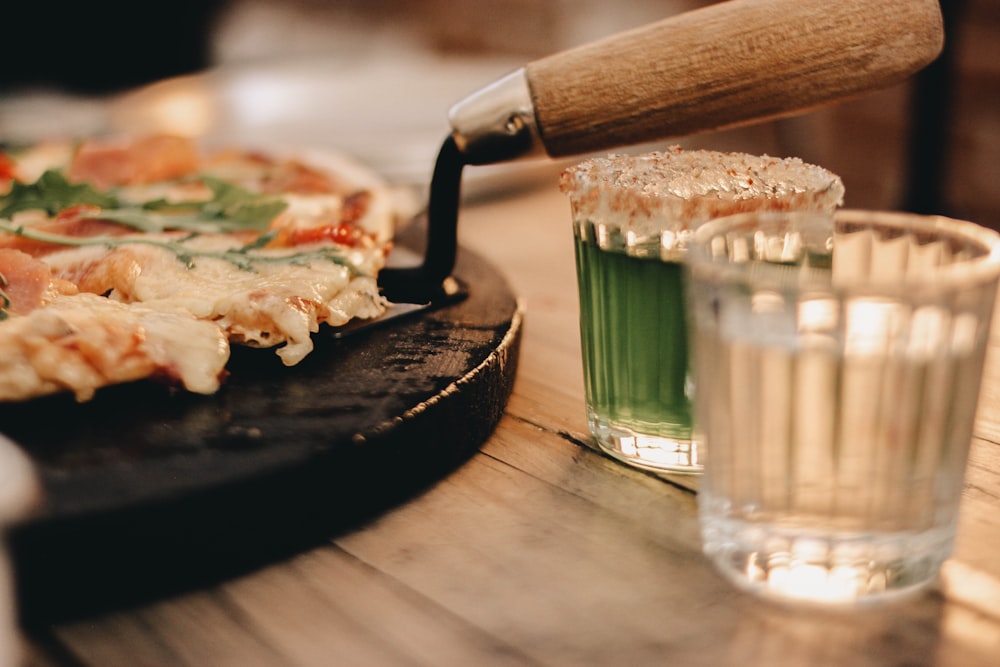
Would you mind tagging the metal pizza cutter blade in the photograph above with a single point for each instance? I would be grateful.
(414, 284)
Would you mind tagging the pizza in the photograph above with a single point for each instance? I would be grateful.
(125, 259)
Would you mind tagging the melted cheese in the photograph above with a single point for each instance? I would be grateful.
(274, 303)
(82, 342)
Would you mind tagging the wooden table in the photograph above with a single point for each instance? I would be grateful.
(541, 551)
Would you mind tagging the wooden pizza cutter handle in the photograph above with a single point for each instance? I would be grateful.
(727, 64)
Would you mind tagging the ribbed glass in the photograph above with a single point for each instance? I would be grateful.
(837, 377)
(635, 349)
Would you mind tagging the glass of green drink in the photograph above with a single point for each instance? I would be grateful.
(635, 358)
(632, 218)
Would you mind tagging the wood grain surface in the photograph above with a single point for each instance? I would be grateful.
(725, 64)
(541, 551)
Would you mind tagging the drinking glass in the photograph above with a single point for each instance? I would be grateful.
(837, 363)
(635, 347)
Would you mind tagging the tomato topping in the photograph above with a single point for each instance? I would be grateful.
(340, 233)
(7, 167)
(344, 232)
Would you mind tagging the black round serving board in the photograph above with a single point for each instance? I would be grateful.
(151, 491)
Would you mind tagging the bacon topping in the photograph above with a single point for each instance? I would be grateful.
(25, 280)
(150, 159)
(71, 222)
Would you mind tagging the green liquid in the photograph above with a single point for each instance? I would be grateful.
(634, 339)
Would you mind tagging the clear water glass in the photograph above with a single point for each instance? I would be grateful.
(837, 364)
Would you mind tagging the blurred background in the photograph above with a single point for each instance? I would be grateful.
(376, 77)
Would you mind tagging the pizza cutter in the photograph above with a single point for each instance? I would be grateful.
(724, 65)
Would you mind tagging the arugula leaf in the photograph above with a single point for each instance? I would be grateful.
(241, 257)
(250, 216)
(230, 208)
(51, 193)
(261, 241)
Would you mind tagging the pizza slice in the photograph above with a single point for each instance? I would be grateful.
(263, 248)
(56, 339)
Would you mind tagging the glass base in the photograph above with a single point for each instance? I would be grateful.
(654, 453)
(828, 569)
